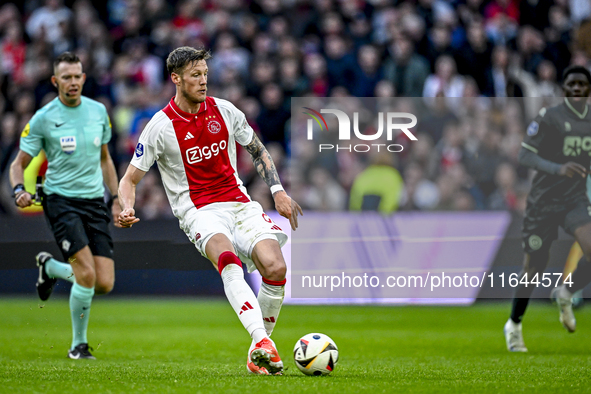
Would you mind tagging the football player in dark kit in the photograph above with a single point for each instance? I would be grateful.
(558, 146)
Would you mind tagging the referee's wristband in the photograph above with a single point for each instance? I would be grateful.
(276, 188)
(17, 189)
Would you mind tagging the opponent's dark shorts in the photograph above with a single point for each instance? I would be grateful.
(540, 226)
(77, 222)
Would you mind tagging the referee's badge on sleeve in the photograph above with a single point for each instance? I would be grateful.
(533, 128)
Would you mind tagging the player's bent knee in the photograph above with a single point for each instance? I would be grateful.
(103, 287)
(275, 271)
(85, 276)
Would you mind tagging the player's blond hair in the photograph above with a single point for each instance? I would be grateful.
(181, 57)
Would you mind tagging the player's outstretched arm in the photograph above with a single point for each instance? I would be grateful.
(17, 178)
(531, 159)
(263, 163)
(126, 193)
(110, 179)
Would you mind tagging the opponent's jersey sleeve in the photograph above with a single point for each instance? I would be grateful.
(150, 145)
(32, 136)
(538, 132)
(239, 127)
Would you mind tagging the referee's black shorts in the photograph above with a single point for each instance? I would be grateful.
(77, 222)
(540, 225)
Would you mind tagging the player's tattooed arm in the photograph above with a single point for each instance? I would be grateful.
(285, 205)
(263, 162)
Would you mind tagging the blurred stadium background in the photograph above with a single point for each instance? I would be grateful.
(267, 51)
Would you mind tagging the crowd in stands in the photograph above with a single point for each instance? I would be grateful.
(267, 51)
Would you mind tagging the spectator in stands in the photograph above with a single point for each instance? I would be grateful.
(263, 72)
(290, 78)
(405, 68)
(530, 45)
(379, 187)
(450, 149)
(13, 51)
(558, 38)
(446, 81)
(144, 69)
(547, 86)
(228, 55)
(44, 23)
(483, 165)
(419, 192)
(273, 117)
(501, 20)
(368, 72)
(340, 61)
(316, 74)
(439, 115)
(474, 56)
(187, 22)
(325, 193)
(504, 197)
(439, 45)
(498, 74)
(9, 138)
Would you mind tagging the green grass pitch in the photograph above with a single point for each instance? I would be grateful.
(198, 346)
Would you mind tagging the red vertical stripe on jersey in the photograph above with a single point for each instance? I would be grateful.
(203, 141)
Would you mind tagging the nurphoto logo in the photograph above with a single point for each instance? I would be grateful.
(396, 122)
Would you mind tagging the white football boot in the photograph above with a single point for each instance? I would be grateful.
(514, 337)
(563, 298)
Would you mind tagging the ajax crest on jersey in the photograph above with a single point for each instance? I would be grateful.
(214, 127)
(316, 354)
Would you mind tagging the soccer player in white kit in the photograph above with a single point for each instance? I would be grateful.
(193, 140)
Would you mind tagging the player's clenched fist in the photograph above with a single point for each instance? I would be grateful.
(23, 200)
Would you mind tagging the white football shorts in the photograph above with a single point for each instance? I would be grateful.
(245, 224)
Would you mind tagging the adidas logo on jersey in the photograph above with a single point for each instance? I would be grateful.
(189, 136)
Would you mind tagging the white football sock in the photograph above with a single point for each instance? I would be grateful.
(270, 299)
(242, 299)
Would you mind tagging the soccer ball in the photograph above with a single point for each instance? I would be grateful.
(316, 354)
